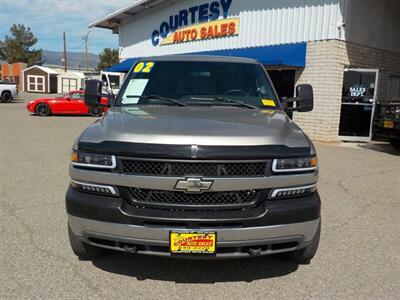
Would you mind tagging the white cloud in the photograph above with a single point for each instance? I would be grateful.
(49, 18)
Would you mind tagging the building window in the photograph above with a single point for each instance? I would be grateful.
(394, 88)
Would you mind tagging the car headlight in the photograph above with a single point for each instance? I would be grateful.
(286, 165)
(91, 160)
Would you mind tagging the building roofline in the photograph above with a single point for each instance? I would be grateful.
(112, 20)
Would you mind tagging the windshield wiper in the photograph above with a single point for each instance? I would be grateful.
(221, 99)
(157, 97)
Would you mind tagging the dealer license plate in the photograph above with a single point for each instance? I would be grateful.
(193, 242)
(388, 124)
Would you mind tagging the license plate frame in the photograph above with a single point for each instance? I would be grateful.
(193, 242)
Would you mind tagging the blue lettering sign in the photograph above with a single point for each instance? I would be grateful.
(193, 11)
(226, 4)
(173, 22)
(214, 11)
(155, 37)
(201, 13)
(183, 17)
(164, 29)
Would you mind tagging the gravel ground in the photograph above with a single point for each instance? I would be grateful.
(358, 255)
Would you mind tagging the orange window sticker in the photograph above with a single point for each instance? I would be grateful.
(268, 102)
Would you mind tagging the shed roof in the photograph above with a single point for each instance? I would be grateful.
(73, 73)
(44, 69)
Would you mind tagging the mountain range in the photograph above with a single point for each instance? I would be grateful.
(74, 59)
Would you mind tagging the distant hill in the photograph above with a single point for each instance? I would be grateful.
(74, 59)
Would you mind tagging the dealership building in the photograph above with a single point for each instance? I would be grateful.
(348, 50)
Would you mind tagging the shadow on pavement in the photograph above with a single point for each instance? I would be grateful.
(380, 147)
(195, 271)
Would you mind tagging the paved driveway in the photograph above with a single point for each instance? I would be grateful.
(358, 255)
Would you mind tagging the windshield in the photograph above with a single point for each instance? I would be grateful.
(198, 83)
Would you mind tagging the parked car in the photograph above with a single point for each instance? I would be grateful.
(196, 158)
(71, 103)
(8, 91)
(387, 123)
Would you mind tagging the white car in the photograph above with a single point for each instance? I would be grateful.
(7, 91)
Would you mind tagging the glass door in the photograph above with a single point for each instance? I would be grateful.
(358, 104)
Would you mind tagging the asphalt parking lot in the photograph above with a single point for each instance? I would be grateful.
(358, 255)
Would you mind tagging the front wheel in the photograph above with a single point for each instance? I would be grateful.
(96, 111)
(305, 255)
(6, 97)
(83, 250)
(42, 110)
(395, 144)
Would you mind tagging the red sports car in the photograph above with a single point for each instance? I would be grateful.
(69, 104)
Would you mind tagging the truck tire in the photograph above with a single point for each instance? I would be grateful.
(305, 255)
(42, 110)
(6, 97)
(395, 144)
(95, 111)
(83, 250)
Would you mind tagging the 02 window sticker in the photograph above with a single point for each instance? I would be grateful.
(144, 67)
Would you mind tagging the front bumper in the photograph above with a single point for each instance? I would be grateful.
(271, 227)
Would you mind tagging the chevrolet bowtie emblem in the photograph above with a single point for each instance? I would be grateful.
(193, 185)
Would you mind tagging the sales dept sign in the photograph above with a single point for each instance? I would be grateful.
(197, 23)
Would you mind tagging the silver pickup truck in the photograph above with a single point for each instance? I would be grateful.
(195, 158)
(8, 91)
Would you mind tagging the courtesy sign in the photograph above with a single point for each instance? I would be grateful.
(199, 22)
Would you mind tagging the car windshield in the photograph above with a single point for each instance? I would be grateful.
(198, 83)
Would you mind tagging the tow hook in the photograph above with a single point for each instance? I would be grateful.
(255, 251)
(129, 249)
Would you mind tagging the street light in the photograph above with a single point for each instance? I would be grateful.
(85, 38)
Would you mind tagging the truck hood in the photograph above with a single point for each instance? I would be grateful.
(207, 126)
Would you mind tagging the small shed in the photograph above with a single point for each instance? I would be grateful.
(70, 81)
(39, 79)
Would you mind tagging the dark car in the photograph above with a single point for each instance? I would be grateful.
(387, 123)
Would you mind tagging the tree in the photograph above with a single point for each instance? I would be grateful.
(107, 58)
(16, 47)
(2, 55)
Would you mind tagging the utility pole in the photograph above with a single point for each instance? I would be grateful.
(65, 52)
(85, 38)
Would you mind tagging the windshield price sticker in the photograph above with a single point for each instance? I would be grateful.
(144, 67)
(268, 102)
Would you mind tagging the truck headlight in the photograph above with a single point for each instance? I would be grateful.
(286, 165)
(91, 160)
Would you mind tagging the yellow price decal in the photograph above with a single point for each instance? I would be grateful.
(143, 67)
(268, 102)
(149, 66)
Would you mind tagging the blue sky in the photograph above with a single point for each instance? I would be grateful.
(49, 18)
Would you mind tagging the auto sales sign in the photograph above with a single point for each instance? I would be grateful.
(199, 22)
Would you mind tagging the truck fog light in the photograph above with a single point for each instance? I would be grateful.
(291, 192)
(94, 188)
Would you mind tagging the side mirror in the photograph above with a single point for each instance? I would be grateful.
(305, 98)
(303, 102)
(93, 92)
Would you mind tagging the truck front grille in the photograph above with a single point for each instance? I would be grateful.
(210, 169)
(170, 199)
